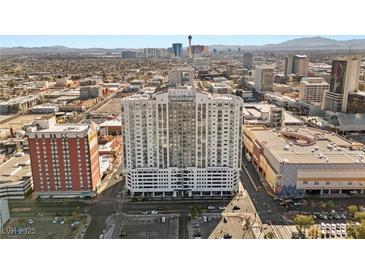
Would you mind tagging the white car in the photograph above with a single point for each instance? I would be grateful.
(30, 221)
(101, 236)
(222, 207)
(323, 225)
(154, 212)
(205, 219)
(163, 219)
(211, 207)
(333, 226)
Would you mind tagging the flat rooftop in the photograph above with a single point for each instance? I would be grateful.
(66, 128)
(306, 145)
(13, 170)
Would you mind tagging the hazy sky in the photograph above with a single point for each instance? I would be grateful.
(142, 41)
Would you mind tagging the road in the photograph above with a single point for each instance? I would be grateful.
(267, 208)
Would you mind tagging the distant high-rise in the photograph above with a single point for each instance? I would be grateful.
(129, 54)
(297, 64)
(154, 53)
(344, 79)
(189, 49)
(264, 78)
(247, 60)
(182, 143)
(312, 89)
(199, 50)
(177, 49)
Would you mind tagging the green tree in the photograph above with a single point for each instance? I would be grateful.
(356, 231)
(313, 232)
(312, 204)
(303, 221)
(195, 211)
(359, 216)
(322, 205)
(269, 235)
(352, 209)
(330, 205)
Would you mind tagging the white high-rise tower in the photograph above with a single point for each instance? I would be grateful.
(182, 143)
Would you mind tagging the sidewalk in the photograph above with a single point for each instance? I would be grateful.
(240, 223)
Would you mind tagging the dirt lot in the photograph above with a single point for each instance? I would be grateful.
(17, 123)
(113, 106)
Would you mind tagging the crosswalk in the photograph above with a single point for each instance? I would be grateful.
(284, 231)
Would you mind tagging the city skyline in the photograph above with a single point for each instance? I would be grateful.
(143, 41)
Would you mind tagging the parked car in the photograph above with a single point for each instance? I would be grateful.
(163, 219)
(154, 212)
(211, 207)
(205, 219)
(337, 216)
(225, 220)
(227, 236)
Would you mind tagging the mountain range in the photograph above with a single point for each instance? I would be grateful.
(306, 43)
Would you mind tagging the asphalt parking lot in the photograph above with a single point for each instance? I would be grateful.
(202, 227)
(147, 227)
(332, 230)
(45, 228)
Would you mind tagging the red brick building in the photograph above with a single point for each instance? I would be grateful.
(65, 160)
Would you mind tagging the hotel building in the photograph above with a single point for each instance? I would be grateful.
(64, 159)
(182, 143)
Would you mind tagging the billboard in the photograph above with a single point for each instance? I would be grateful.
(338, 76)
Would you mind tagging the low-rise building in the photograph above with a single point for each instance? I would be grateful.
(300, 160)
(4, 212)
(268, 115)
(87, 92)
(16, 177)
(111, 127)
(44, 109)
(19, 104)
